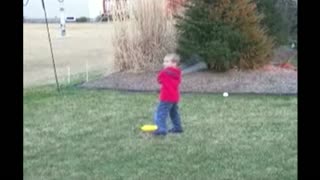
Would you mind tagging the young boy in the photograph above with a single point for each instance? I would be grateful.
(169, 79)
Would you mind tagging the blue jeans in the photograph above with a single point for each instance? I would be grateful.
(160, 116)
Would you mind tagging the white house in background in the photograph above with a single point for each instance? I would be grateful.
(72, 8)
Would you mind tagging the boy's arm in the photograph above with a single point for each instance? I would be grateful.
(160, 77)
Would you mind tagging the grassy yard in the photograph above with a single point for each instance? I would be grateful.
(89, 134)
(84, 43)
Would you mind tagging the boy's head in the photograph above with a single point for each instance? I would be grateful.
(171, 60)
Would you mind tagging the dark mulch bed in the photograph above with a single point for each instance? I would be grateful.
(269, 80)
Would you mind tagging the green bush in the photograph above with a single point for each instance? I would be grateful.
(82, 19)
(225, 34)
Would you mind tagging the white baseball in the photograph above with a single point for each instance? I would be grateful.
(225, 94)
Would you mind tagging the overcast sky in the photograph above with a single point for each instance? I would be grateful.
(76, 8)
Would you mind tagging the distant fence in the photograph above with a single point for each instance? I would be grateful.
(54, 20)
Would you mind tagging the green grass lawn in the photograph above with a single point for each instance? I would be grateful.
(91, 134)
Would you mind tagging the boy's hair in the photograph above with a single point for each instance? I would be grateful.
(173, 57)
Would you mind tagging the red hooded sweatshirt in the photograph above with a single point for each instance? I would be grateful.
(169, 79)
